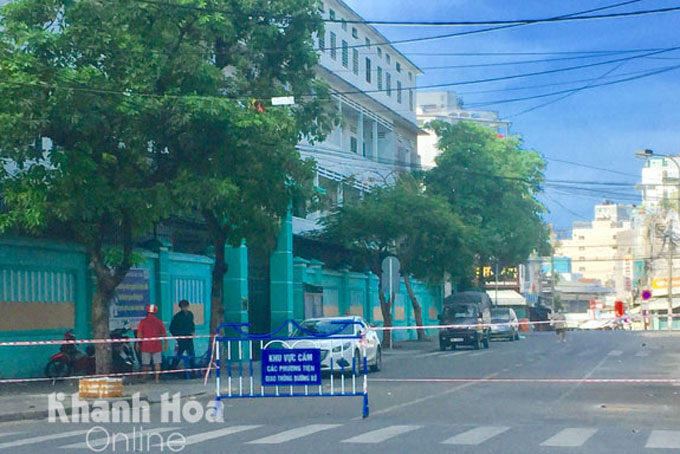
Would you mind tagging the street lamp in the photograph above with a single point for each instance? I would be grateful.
(646, 154)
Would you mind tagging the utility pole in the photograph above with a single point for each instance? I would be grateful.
(496, 302)
(671, 251)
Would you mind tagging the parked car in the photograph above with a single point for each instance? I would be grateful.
(504, 324)
(347, 353)
(470, 312)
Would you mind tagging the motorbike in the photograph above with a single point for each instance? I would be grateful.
(124, 357)
(70, 360)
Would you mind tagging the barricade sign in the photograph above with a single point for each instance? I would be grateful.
(295, 362)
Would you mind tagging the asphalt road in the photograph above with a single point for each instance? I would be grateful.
(417, 406)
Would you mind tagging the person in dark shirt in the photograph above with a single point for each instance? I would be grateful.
(183, 325)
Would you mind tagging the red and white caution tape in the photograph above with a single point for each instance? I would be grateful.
(96, 341)
(113, 374)
(530, 380)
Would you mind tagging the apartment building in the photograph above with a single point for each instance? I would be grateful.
(374, 87)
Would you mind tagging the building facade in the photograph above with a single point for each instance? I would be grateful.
(594, 246)
(446, 106)
(374, 88)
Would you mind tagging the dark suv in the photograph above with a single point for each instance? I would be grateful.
(470, 312)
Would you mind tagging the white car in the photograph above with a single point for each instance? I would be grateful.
(337, 352)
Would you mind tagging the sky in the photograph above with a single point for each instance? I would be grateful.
(600, 127)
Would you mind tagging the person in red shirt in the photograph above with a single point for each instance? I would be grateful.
(151, 326)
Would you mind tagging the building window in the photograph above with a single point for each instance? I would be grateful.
(344, 25)
(582, 269)
(581, 248)
(355, 61)
(410, 76)
(355, 33)
(379, 75)
(388, 59)
(331, 14)
(368, 70)
(334, 48)
(399, 91)
(353, 144)
(388, 84)
(379, 52)
(322, 42)
(345, 54)
(368, 42)
(398, 67)
(411, 104)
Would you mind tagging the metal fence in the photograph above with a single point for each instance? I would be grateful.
(301, 364)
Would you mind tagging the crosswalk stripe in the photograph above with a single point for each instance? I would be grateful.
(476, 436)
(642, 354)
(615, 353)
(33, 440)
(380, 435)
(119, 439)
(294, 434)
(664, 439)
(571, 437)
(211, 435)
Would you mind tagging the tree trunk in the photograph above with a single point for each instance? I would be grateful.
(217, 288)
(417, 309)
(385, 308)
(100, 326)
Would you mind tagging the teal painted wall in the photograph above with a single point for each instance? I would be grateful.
(346, 292)
(36, 271)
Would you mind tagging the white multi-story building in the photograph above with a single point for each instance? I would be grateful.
(659, 181)
(446, 106)
(594, 246)
(374, 87)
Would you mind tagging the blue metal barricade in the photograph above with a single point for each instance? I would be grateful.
(292, 365)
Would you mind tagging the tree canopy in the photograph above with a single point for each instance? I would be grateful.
(493, 184)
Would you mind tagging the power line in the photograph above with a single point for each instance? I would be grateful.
(567, 95)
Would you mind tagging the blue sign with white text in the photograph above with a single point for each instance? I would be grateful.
(285, 367)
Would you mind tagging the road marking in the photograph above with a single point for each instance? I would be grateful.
(585, 377)
(7, 434)
(615, 353)
(380, 435)
(426, 398)
(570, 438)
(664, 439)
(33, 440)
(642, 354)
(211, 435)
(479, 353)
(452, 354)
(294, 434)
(433, 354)
(476, 436)
(120, 439)
(442, 354)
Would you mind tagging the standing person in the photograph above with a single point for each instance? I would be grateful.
(559, 321)
(152, 327)
(183, 325)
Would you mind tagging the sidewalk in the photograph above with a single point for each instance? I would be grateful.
(30, 400)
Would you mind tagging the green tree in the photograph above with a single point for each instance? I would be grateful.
(74, 147)
(493, 184)
(401, 220)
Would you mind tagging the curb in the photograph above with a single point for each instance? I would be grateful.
(43, 414)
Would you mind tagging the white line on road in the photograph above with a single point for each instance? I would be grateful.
(664, 439)
(479, 353)
(426, 398)
(642, 354)
(119, 439)
(615, 353)
(33, 440)
(476, 436)
(294, 434)
(380, 435)
(7, 434)
(211, 435)
(570, 438)
(585, 377)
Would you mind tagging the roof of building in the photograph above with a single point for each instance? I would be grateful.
(507, 298)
